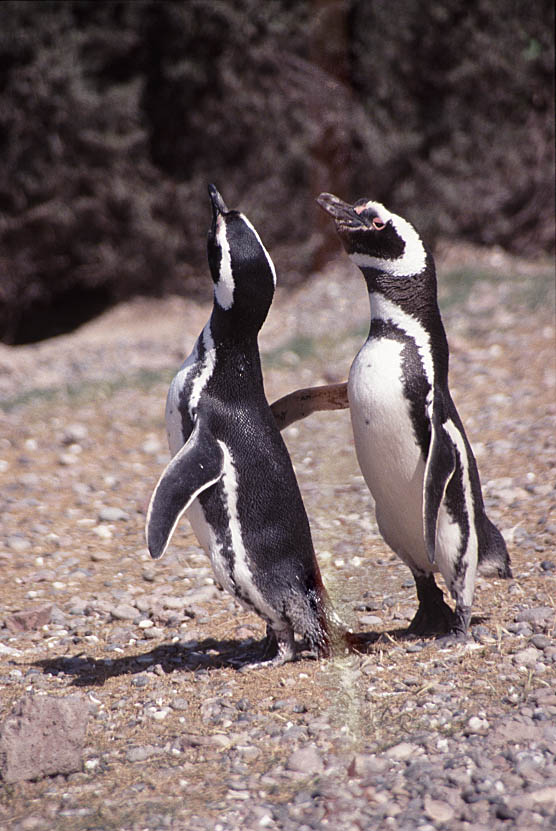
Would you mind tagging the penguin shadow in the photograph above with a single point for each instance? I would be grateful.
(207, 654)
(368, 642)
(210, 653)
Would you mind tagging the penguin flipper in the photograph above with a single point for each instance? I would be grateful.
(439, 469)
(301, 403)
(198, 465)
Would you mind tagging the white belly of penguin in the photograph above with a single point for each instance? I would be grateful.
(387, 450)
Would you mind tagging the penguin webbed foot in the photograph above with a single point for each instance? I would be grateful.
(434, 616)
(278, 648)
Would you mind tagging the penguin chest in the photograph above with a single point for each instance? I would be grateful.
(386, 444)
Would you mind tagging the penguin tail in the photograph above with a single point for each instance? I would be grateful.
(493, 555)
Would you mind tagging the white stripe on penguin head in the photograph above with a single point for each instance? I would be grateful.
(414, 257)
(224, 288)
(259, 240)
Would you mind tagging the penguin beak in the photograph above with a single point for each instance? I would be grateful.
(342, 213)
(218, 204)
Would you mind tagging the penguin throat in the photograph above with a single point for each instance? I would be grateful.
(412, 259)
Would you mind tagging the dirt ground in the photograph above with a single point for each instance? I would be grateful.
(177, 737)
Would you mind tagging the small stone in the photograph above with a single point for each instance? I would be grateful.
(365, 764)
(103, 531)
(526, 657)
(541, 641)
(400, 752)
(438, 810)
(477, 726)
(370, 620)
(29, 619)
(123, 611)
(78, 606)
(75, 433)
(538, 614)
(153, 632)
(18, 543)
(306, 760)
(108, 514)
(544, 796)
(101, 556)
(139, 754)
(179, 704)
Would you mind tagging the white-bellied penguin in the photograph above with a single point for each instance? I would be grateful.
(409, 439)
(230, 472)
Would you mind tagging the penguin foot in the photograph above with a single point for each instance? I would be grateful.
(434, 616)
(278, 649)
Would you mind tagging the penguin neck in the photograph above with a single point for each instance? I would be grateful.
(414, 295)
(409, 303)
(230, 326)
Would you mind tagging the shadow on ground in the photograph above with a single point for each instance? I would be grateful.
(194, 656)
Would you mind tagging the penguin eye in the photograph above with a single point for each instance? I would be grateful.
(378, 224)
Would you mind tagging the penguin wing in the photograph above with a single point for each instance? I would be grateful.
(194, 468)
(439, 469)
(301, 403)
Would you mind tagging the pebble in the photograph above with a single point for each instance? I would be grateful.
(526, 657)
(108, 514)
(477, 726)
(402, 751)
(306, 760)
(407, 736)
(124, 611)
(537, 614)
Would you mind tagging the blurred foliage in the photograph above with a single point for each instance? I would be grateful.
(114, 116)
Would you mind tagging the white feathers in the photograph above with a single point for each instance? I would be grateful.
(472, 549)
(242, 575)
(383, 309)
(387, 449)
(414, 257)
(209, 361)
(224, 288)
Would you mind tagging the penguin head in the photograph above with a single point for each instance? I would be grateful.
(242, 270)
(375, 238)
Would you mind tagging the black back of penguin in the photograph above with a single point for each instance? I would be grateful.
(250, 516)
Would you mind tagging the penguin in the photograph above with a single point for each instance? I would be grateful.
(409, 439)
(230, 471)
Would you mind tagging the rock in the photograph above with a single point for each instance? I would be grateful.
(179, 704)
(438, 810)
(108, 514)
(139, 754)
(544, 796)
(18, 543)
(526, 657)
(370, 620)
(365, 764)
(43, 736)
(476, 726)
(400, 752)
(538, 614)
(29, 619)
(306, 760)
(123, 611)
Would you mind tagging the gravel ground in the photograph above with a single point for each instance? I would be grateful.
(408, 736)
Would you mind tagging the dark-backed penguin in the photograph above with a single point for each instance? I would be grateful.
(410, 442)
(230, 472)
